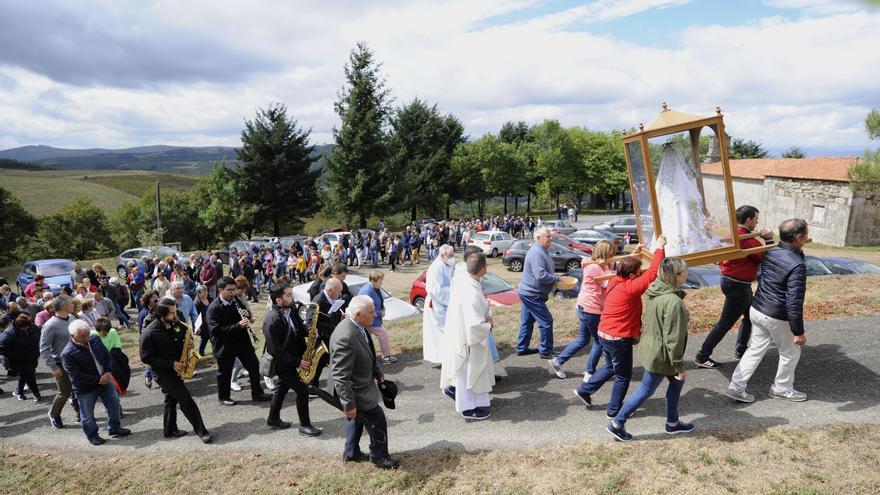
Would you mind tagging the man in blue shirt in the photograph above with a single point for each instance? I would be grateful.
(534, 288)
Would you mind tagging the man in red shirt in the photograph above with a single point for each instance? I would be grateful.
(736, 284)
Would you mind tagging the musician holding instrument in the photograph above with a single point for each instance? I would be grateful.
(162, 348)
(331, 307)
(286, 342)
(232, 337)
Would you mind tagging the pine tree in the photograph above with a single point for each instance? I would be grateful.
(276, 169)
(357, 168)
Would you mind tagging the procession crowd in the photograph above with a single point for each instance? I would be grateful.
(73, 333)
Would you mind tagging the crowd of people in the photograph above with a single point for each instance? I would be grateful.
(73, 333)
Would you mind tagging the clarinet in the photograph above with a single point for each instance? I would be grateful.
(243, 312)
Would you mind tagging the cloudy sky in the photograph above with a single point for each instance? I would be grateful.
(129, 73)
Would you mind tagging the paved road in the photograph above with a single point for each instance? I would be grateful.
(530, 407)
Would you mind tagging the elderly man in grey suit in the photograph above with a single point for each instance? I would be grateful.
(354, 372)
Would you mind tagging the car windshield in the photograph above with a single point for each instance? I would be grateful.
(56, 269)
(163, 252)
(859, 266)
(493, 284)
(482, 236)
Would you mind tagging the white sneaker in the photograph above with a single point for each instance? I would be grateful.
(587, 377)
(235, 386)
(556, 368)
(792, 395)
(740, 396)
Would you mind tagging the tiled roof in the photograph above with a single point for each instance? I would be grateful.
(831, 168)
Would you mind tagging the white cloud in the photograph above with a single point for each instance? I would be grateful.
(817, 7)
(806, 82)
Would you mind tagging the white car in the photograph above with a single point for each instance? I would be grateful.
(492, 242)
(394, 308)
(335, 237)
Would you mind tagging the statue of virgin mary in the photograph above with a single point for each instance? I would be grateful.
(683, 215)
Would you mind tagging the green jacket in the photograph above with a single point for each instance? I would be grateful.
(664, 337)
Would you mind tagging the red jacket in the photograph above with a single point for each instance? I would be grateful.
(744, 269)
(622, 314)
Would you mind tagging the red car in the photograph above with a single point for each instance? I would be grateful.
(496, 289)
(571, 243)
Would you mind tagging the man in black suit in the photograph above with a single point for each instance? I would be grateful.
(161, 347)
(327, 317)
(354, 373)
(231, 339)
(286, 342)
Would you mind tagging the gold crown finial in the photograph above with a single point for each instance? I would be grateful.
(665, 107)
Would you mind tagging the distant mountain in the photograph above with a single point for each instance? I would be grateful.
(811, 151)
(196, 160)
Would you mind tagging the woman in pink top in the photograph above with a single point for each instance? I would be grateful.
(589, 308)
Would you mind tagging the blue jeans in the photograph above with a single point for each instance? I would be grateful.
(618, 364)
(257, 279)
(493, 349)
(649, 385)
(87, 400)
(137, 298)
(589, 328)
(373, 257)
(535, 310)
(124, 319)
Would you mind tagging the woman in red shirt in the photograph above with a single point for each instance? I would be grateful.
(621, 326)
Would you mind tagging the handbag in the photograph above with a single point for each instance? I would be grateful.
(268, 363)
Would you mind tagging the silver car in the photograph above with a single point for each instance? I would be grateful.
(135, 254)
(560, 226)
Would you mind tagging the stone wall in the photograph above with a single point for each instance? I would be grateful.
(864, 225)
(825, 205)
(745, 192)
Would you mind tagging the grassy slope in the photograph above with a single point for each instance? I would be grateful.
(41, 195)
(773, 461)
(137, 184)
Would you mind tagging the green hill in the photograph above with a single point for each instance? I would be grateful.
(43, 192)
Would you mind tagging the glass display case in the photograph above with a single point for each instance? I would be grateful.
(670, 195)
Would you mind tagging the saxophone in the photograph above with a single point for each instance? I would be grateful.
(314, 348)
(189, 357)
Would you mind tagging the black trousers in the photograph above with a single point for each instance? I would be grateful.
(322, 363)
(225, 362)
(27, 376)
(176, 394)
(737, 301)
(302, 400)
(374, 421)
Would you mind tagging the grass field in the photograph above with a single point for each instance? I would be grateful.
(43, 192)
(775, 461)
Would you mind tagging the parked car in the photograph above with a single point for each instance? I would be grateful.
(564, 258)
(560, 226)
(568, 242)
(240, 245)
(621, 226)
(592, 236)
(492, 242)
(288, 241)
(815, 267)
(55, 271)
(849, 266)
(497, 290)
(703, 276)
(135, 254)
(394, 308)
(335, 237)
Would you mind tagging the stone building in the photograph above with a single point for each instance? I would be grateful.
(815, 189)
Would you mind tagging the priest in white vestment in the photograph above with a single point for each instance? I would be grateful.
(437, 286)
(468, 362)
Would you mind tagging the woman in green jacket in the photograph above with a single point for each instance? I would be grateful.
(661, 349)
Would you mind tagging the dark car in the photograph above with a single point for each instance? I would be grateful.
(849, 266)
(288, 241)
(815, 267)
(703, 276)
(621, 226)
(592, 236)
(564, 258)
(55, 271)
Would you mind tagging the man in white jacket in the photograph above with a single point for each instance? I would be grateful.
(437, 283)
(467, 364)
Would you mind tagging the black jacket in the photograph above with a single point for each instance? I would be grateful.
(782, 285)
(326, 322)
(80, 366)
(161, 346)
(276, 329)
(22, 349)
(224, 329)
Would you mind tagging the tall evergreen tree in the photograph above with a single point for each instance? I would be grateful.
(15, 224)
(356, 169)
(421, 145)
(275, 172)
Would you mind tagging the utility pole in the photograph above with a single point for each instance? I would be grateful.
(159, 215)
